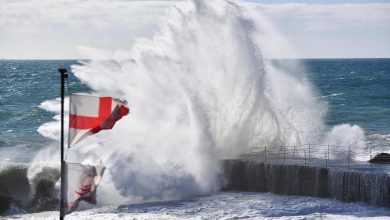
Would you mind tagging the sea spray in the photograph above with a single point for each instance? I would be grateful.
(346, 138)
(198, 92)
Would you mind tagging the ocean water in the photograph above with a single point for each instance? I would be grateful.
(232, 205)
(356, 90)
(25, 84)
(199, 92)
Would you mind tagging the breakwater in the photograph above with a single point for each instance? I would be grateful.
(36, 193)
(341, 184)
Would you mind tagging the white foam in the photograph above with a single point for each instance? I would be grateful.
(198, 92)
(345, 138)
(54, 105)
(231, 206)
(51, 129)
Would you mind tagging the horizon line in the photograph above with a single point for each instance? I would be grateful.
(280, 58)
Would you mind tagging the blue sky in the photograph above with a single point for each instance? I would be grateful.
(316, 29)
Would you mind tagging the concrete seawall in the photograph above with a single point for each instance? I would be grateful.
(344, 185)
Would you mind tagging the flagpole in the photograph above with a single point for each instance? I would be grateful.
(64, 75)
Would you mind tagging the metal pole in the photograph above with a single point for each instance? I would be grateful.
(265, 154)
(308, 161)
(63, 77)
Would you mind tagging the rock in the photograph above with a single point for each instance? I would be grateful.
(381, 158)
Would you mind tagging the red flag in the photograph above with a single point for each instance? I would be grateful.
(90, 114)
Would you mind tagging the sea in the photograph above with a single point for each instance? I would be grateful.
(356, 92)
(201, 90)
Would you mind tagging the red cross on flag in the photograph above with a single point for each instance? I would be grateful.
(90, 114)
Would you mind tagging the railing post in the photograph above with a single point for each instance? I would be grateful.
(293, 157)
(327, 158)
(370, 152)
(309, 155)
(305, 156)
(248, 155)
(326, 161)
(370, 159)
(284, 154)
(280, 152)
(265, 154)
(349, 155)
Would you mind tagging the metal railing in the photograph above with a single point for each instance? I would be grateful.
(314, 155)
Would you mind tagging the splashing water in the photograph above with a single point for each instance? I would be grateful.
(199, 92)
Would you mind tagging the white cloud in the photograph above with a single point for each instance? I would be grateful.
(342, 30)
(79, 14)
(328, 15)
(54, 29)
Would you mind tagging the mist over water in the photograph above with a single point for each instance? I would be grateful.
(198, 92)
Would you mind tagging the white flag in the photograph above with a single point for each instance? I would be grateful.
(80, 184)
(90, 114)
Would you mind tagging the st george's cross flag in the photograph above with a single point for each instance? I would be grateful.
(90, 114)
(80, 184)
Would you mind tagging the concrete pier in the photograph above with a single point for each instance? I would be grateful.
(345, 185)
